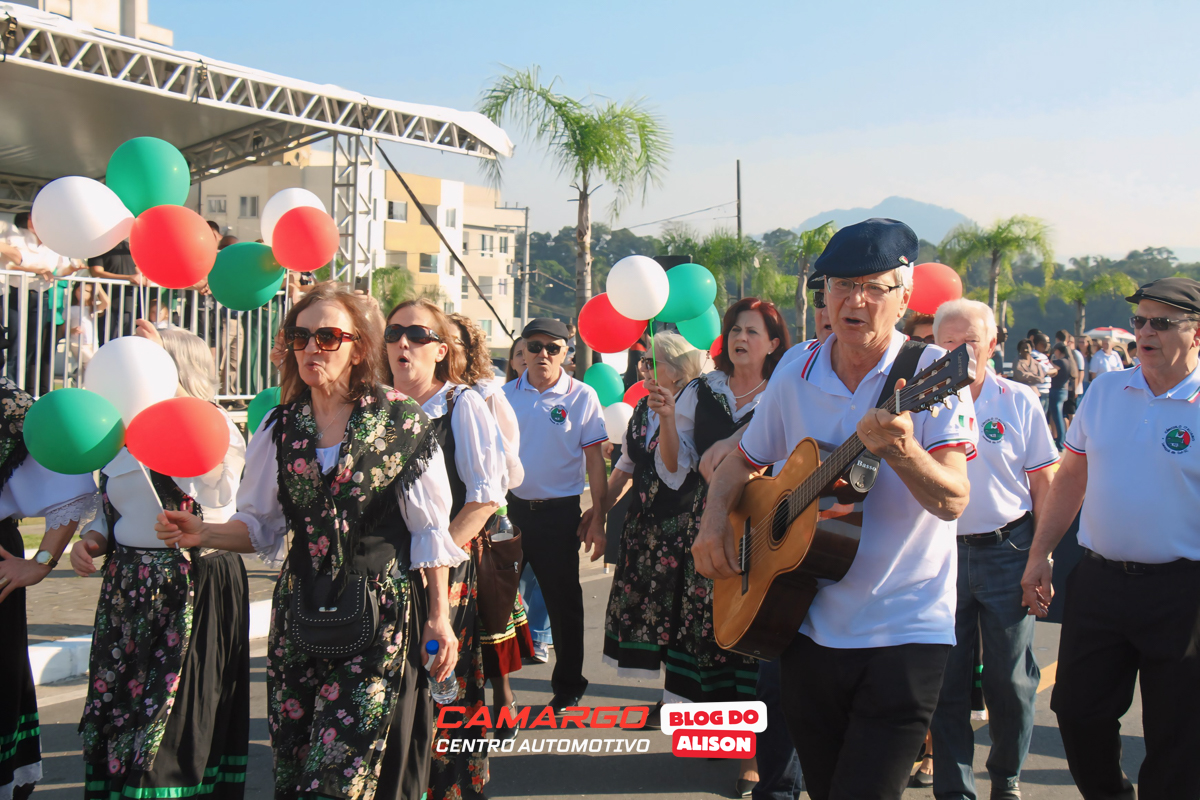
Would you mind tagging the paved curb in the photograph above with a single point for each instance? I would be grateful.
(68, 658)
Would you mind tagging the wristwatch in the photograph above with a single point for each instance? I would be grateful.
(46, 559)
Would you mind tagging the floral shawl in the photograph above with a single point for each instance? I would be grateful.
(13, 405)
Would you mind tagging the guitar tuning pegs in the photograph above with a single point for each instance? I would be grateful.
(947, 403)
(933, 412)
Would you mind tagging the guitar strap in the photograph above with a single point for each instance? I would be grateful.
(862, 473)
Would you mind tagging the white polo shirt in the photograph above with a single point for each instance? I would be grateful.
(794, 352)
(902, 586)
(1103, 362)
(1143, 460)
(556, 425)
(1014, 440)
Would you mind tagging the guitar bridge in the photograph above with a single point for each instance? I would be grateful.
(745, 557)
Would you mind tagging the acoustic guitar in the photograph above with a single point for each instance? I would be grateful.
(803, 524)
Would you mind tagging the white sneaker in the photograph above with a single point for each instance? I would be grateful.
(541, 652)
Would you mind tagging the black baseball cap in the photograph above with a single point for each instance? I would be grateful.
(546, 325)
(1182, 293)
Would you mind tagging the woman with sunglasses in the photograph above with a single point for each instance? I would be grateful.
(427, 364)
(351, 470)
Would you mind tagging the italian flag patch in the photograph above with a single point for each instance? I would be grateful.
(966, 422)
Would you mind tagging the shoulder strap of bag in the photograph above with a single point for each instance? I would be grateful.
(905, 366)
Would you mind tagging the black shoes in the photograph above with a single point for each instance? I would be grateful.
(500, 732)
(561, 701)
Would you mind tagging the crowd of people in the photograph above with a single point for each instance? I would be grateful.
(384, 482)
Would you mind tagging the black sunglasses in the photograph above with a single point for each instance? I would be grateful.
(1157, 323)
(417, 334)
(818, 299)
(552, 349)
(328, 339)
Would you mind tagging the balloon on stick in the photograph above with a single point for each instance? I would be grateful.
(147, 172)
(616, 421)
(635, 393)
(246, 276)
(604, 329)
(637, 287)
(606, 381)
(73, 431)
(693, 289)
(701, 330)
(133, 374)
(305, 239)
(173, 246)
(933, 284)
(281, 203)
(183, 437)
(80, 218)
(259, 407)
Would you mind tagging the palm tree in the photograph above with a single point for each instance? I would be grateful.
(802, 251)
(1080, 292)
(1001, 244)
(624, 144)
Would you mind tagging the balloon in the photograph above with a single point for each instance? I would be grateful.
(183, 437)
(638, 287)
(73, 431)
(173, 246)
(716, 348)
(259, 407)
(933, 284)
(606, 381)
(246, 276)
(281, 203)
(147, 172)
(80, 218)
(606, 331)
(701, 330)
(693, 289)
(635, 393)
(305, 239)
(616, 421)
(133, 374)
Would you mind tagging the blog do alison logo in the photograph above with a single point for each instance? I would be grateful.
(714, 730)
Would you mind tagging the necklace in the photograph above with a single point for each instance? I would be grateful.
(336, 417)
(747, 394)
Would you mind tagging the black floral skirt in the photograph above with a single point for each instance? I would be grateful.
(20, 751)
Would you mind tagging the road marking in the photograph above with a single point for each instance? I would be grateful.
(65, 697)
(1049, 673)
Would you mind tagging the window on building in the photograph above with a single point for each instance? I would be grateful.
(450, 266)
(397, 211)
(216, 205)
(466, 288)
(487, 243)
(451, 217)
(433, 213)
(485, 286)
(466, 242)
(503, 244)
(393, 258)
(429, 262)
(248, 206)
(503, 286)
(448, 307)
(486, 325)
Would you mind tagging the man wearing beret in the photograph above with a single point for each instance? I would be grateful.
(1133, 611)
(861, 677)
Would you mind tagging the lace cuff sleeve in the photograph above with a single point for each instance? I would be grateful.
(83, 509)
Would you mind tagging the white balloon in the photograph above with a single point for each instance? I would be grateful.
(616, 420)
(133, 374)
(80, 218)
(281, 203)
(638, 287)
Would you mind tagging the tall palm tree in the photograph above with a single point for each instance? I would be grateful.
(1079, 292)
(624, 144)
(1001, 244)
(802, 250)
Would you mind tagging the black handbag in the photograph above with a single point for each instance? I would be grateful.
(327, 624)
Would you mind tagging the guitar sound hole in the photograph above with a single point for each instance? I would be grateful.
(779, 524)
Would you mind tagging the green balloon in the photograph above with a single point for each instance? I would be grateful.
(702, 330)
(260, 406)
(693, 289)
(607, 383)
(246, 276)
(73, 431)
(147, 172)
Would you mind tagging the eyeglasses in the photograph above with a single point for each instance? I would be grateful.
(1157, 323)
(818, 299)
(328, 339)
(417, 334)
(552, 349)
(844, 287)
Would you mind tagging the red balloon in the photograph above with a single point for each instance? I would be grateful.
(716, 348)
(172, 246)
(604, 329)
(305, 239)
(635, 393)
(933, 284)
(183, 437)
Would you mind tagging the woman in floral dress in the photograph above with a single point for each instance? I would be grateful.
(348, 467)
(168, 705)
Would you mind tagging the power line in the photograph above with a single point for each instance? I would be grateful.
(679, 216)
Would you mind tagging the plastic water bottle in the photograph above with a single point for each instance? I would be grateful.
(443, 692)
(504, 528)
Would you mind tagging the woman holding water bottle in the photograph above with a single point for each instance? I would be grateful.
(427, 364)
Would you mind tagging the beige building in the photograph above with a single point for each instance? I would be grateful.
(125, 17)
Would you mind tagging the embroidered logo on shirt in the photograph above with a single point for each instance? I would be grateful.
(558, 415)
(1177, 440)
(966, 422)
(993, 430)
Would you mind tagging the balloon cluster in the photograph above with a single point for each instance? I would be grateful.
(639, 291)
(147, 184)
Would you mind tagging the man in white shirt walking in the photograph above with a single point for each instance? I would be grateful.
(1104, 361)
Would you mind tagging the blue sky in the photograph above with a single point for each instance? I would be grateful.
(1085, 114)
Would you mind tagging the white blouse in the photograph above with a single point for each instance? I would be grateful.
(133, 497)
(478, 445)
(510, 431)
(686, 460)
(34, 491)
(685, 414)
(425, 506)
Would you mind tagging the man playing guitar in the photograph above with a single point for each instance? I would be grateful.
(861, 679)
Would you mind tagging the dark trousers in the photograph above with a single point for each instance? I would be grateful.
(550, 545)
(1117, 628)
(858, 717)
(778, 765)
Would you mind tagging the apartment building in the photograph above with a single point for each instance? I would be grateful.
(126, 17)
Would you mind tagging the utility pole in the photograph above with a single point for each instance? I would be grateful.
(741, 279)
(524, 271)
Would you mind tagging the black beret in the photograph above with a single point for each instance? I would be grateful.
(816, 282)
(1179, 292)
(547, 325)
(867, 247)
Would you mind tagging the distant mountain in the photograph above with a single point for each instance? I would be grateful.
(929, 221)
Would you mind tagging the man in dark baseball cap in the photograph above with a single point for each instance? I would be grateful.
(547, 325)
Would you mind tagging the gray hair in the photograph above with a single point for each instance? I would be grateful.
(972, 310)
(194, 361)
(677, 353)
